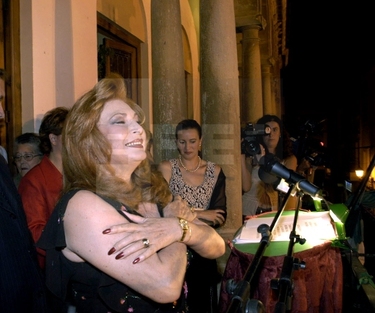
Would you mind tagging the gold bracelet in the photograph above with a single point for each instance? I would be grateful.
(184, 227)
(189, 234)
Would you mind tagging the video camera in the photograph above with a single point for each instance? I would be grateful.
(308, 144)
(249, 134)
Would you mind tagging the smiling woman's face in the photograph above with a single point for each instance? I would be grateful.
(119, 124)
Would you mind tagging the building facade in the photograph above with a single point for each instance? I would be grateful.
(216, 61)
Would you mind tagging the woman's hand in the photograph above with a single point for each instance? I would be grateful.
(147, 235)
(262, 153)
(179, 208)
(211, 217)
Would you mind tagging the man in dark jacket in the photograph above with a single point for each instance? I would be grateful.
(21, 284)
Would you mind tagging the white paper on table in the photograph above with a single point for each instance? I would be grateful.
(310, 225)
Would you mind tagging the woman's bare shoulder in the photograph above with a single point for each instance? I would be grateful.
(165, 163)
(87, 203)
(291, 162)
(165, 166)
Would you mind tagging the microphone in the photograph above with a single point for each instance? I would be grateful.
(270, 166)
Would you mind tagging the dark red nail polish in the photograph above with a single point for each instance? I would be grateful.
(119, 256)
(106, 231)
(136, 261)
(111, 251)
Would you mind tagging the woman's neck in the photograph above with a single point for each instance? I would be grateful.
(190, 165)
(124, 171)
(272, 150)
(56, 160)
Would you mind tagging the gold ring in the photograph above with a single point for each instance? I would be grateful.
(192, 210)
(146, 243)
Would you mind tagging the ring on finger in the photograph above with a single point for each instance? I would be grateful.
(146, 243)
(192, 209)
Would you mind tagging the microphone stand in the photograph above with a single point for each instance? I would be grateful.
(352, 219)
(284, 284)
(241, 290)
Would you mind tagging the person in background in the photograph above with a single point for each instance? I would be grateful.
(108, 181)
(27, 154)
(21, 283)
(259, 197)
(40, 188)
(201, 184)
(4, 153)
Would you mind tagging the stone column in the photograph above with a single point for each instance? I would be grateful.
(251, 74)
(267, 90)
(168, 76)
(277, 101)
(220, 101)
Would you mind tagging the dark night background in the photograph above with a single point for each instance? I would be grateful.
(327, 79)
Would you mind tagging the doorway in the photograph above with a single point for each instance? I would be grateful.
(11, 127)
(119, 52)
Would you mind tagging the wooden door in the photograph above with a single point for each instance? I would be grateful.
(122, 59)
(119, 52)
(10, 61)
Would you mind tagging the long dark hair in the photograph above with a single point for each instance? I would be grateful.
(284, 147)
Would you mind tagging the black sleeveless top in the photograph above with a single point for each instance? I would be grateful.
(89, 289)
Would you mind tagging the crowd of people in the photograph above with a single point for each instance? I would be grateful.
(92, 223)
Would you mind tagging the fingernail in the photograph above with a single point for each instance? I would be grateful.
(111, 251)
(106, 231)
(136, 260)
(119, 256)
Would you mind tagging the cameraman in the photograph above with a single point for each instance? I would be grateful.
(259, 197)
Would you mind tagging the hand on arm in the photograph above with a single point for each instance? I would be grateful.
(216, 213)
(179, 208)
(213, 217)
(159, 277)
(162, 232)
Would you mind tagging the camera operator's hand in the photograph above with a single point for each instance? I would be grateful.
(261, 154)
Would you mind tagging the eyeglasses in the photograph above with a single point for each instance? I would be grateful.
(26, 156)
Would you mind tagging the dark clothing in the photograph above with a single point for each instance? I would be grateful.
(21, 282)
(89, 289)
(202, 274)
(202, 278)
(218, 198)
